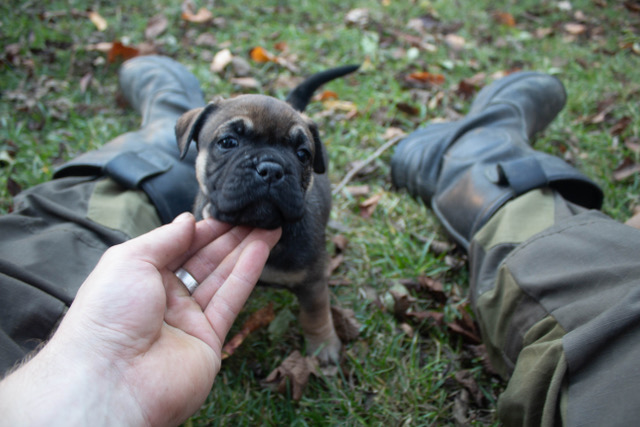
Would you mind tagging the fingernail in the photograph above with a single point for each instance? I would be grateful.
(185, 216)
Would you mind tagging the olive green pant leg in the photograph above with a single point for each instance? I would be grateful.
(51, 241)
(556, 290)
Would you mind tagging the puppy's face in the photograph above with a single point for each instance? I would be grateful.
(256, 159)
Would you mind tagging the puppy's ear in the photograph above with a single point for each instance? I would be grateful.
(320, 158)
(189, 124)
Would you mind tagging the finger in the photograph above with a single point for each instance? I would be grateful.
(225, 261)
(206, 232)
(160, 246)
(227, 302)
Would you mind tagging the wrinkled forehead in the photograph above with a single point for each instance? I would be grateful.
(259, 115)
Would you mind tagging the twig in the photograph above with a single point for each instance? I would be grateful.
(354, 171)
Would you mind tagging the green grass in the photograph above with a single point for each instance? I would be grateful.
(388, 377)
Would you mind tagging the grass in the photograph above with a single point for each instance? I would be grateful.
(392, 374)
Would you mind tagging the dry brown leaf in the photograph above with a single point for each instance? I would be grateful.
(455, 41)
(620, 126)
(325, 95)
(292, 374)
(427, 77)
(358, 17)
(626, 169)
(393, 132)
(574, 28)
(85, 81)
(246, 82)
(120, 52)
(259, 54)
(433, 287)
(257, 320)
(466, 379)
(336, 104)
(346, 324)
(436, 317)
(334, 263)
(202, 16)
(408, 108)
(98, 21)
(504, 18)
(220, 60)
(281, 46)
(358, 190)
(634, 221)
(156, 26)
(340, 242)
(369, 206)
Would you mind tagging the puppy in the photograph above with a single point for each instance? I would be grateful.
(261, 163)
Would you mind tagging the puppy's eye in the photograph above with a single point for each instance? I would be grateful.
(228, 143)
(303, 155)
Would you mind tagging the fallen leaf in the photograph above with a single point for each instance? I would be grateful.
(358, 190)
(633, 144)
(98, 21)
(436, 317)
(292, 374)
(369, 206)
(427, 77)
(202, 16)
(398, 300)
(634, 221)
(246, 82)
(504, 18)
(460, 410)
(620, 126)
(340, 242)
(433, 288)
(260, 54)
(325, 95)
(480, 351)
(257, 320)
(156, 25)
(120, 52)
(345, 322)
(408, 108)
(281, 46)
(466, 379)
(335, 104)
(220, 60)
(393, 132)
(465, 326)
(206, 39)
(85, 81)
(574, 28)
(334, 263)
(13, 187)
(455, 41)
(358, 17)
(632, 6)
(626, 169)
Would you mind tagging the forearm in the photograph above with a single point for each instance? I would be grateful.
(57, 388)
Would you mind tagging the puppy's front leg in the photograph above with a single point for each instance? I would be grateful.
(317, 322)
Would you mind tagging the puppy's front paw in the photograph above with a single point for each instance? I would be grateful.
(326, 350)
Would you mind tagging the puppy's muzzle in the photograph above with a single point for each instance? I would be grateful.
(270, 172)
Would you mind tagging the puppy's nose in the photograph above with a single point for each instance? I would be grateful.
(270, 172)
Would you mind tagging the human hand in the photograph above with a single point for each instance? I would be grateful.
(135, 348)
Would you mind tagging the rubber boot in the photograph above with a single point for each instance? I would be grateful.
(467, 170)
(160, 89)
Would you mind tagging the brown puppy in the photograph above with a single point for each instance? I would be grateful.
(261, 163)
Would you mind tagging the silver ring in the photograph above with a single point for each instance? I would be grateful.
(187, 280)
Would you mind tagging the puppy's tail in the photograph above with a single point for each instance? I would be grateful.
(300, 96)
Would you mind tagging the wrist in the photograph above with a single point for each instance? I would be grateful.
(61, 386)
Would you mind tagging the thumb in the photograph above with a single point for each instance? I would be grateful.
(160, 246)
